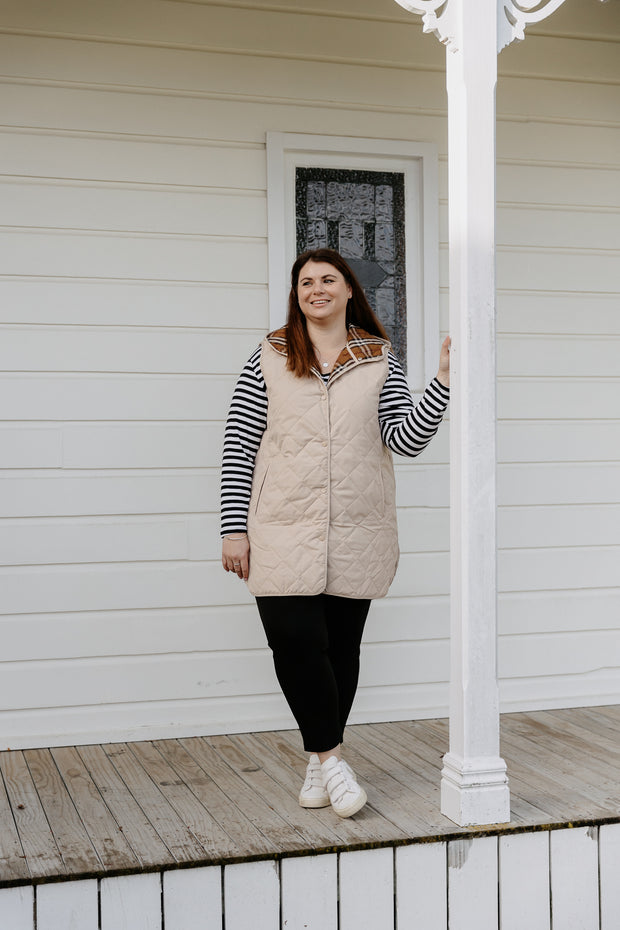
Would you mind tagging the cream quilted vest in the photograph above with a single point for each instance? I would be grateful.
(322, 514)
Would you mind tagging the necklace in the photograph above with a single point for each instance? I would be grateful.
(328, 364)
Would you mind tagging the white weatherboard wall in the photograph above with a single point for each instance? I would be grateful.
(134, 259)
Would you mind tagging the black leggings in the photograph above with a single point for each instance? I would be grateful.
(316, 651)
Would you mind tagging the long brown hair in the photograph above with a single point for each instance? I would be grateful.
(301, 354)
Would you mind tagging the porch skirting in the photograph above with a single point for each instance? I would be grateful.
(478, 883)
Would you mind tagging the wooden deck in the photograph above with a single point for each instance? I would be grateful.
(96, 811)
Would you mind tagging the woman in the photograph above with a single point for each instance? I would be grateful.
(308, 498)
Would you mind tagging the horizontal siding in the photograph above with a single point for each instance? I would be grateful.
(554, 183)
(116, 586)
(75, 396)
(90, 634)
(551, 483)
(119, 586)
(544, 398)
(131, 349)
(195, 445)
(110, 208)
(120, 154)
(134, 303)
(67, 494)
(65, 396)
(560, 313)
(167, 675)
(134, 278)
(170, 258)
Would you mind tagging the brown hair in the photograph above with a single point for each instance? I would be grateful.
(301, 354)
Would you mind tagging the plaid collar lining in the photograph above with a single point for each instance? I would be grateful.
(360, 347)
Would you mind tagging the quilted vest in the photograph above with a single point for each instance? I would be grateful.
(322, 514)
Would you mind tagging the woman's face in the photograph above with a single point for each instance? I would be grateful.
(322, 292)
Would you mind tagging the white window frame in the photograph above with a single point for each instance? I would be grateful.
(418, 161)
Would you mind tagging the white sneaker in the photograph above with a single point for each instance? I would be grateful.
(345, 795)
(313, 794)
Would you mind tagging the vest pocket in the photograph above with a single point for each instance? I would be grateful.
(259, 493)
(376, 505)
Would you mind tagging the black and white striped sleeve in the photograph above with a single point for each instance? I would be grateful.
(407, 428)
(246, 423)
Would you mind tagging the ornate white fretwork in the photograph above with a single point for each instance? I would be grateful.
(438, 16)
(517, 16)
(442, 18)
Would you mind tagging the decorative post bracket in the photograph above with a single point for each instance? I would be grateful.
(474, 784)
(441, 17)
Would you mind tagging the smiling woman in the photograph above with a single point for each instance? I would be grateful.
(308, 498)
(323, 293)
(324, 300)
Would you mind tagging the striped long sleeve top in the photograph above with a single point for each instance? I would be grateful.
(406, 428)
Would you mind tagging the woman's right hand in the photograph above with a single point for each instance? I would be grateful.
(236, 556)
(443, 375)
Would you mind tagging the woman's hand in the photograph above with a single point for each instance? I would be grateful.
(236, 555)
(443, 375)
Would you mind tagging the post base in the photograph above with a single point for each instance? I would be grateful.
(475, 791)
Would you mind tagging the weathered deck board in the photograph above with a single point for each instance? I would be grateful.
(171, 829)
(213, 839)
(12, 858)
(71, 836)
(148, 847)
(239, 828)
(42, 856)
(97, 811)
(602, 735)
(108, 841)
(266, 819)
(582, 787)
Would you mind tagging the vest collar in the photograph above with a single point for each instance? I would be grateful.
(360, 347)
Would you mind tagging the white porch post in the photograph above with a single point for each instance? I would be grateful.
(474, 784)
